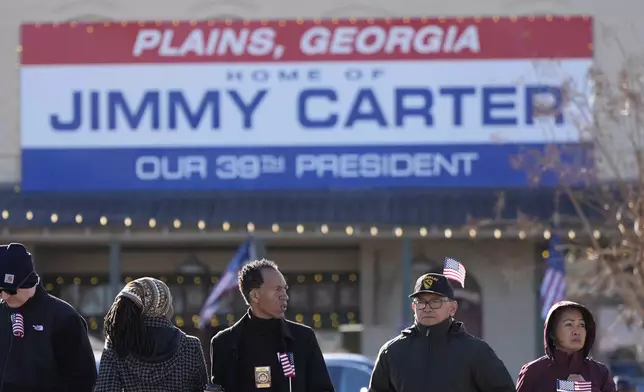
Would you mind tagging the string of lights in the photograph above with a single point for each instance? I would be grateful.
(192, 279)
(90, 26)
(202, 225)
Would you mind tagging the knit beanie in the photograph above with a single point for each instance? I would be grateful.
(152, 295)
(16, 267)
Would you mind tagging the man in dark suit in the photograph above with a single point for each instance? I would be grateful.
(263, 352)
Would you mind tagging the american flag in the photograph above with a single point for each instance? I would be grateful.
(288, 364)
(227, 283)
(455, 271)
(18, 325)
(553, 286)
(570, 386)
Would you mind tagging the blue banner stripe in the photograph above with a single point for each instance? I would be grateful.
(356, 167)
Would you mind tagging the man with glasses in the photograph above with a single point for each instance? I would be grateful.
(44, 346)
(436, 353)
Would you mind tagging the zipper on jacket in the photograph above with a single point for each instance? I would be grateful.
(428, 366)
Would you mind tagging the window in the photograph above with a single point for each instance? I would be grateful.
(179, 299)
(349, 296)
(298, 295)
(324, 297)
(195, 296)
(70, 294)
(94, 300)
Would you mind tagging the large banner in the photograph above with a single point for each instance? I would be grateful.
(295, 104)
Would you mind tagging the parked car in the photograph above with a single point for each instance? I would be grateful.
(349, 372)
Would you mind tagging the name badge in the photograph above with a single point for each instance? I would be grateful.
(262, 376)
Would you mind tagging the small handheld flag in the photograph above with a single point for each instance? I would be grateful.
(574, 386)
(288, 364)
(455, 271)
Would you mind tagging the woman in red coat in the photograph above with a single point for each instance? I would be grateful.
(569, 334)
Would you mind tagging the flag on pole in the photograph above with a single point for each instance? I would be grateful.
(288, 364)
(455, 271)
(228, 281)
(553, 286)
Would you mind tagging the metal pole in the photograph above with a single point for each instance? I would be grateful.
(406, 280)
(115, 269)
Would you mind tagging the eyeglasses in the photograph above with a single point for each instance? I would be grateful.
(433, 304)
(15, 291)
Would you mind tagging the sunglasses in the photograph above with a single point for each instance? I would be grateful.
(15, 291)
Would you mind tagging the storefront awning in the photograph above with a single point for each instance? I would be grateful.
(404, 208)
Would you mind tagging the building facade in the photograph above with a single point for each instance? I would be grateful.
(350, 255)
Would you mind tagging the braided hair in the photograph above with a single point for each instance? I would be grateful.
(125, 329)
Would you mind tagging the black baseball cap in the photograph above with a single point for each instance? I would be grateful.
(433, 284)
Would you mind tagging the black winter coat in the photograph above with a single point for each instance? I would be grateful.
(311, 374)
(439, 358)
(54, 355)
(176, 364)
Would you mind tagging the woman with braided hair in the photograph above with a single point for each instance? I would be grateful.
(143, 350)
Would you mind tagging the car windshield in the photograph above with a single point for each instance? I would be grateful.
(349, 377)
(355, 379)
(336, 376)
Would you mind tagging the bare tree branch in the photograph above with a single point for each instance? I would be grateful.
(603, 180)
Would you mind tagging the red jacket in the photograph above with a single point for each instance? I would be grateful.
(541, 375)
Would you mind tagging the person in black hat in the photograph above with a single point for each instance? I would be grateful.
(436, 353)
(44, 346)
